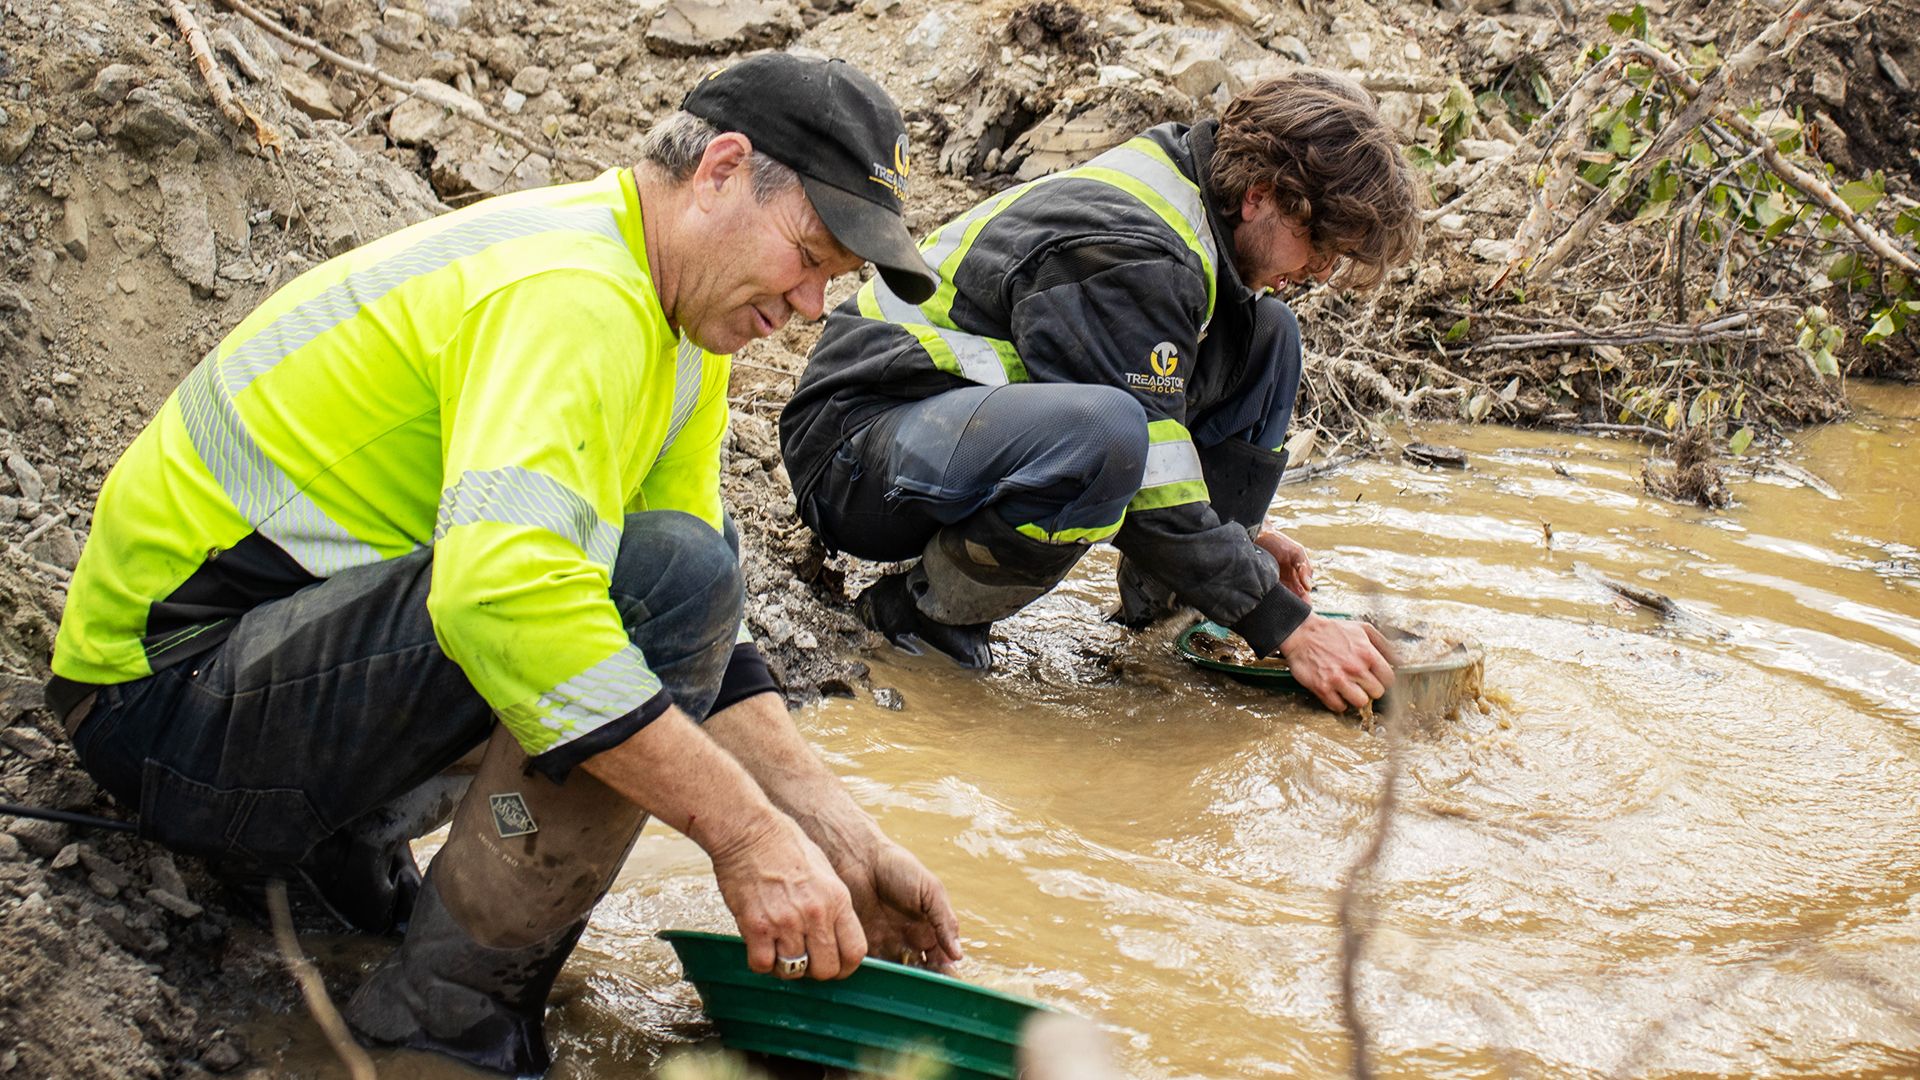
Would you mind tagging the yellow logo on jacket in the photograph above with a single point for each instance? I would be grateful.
(1164, 360)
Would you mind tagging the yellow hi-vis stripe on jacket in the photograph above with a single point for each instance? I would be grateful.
(500, 383)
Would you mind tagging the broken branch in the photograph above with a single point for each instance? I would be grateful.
(313, 987)
(1737, 326)
(236, 113)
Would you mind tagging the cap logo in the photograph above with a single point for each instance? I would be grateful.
(894, 177)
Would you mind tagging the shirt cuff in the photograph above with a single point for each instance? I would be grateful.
(1272, 620)
(746, 676)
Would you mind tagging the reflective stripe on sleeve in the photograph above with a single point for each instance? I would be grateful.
(1173, 475)
(1073, 536)
(597, 696)
(517, 496)
(688, 366)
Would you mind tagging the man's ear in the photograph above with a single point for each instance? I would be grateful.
(1257, 203)
(725, 160)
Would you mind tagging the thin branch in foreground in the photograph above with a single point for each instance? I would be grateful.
(1356, 910)
(313, 988)
(436, 92)
(230, 107)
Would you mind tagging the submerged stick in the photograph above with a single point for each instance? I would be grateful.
(313, 988)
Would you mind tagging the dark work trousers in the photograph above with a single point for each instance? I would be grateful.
(1057, 455)
(328, 703)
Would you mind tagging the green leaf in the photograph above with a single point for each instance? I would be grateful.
(1861, 195)
(1620, 139)
(1673, 415)
(1740, 441)
(1696, 412)
(1882, 329)
(1542, 89)
(1700, 155)
(1825, 364)
(1458, 331)
(1908, 223)
(1632, 22)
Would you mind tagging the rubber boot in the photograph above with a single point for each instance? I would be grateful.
(970, 574)
(501, 908)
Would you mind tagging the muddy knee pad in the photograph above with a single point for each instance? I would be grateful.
(678, 587)
(984, 569)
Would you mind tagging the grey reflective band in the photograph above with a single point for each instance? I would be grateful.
(688, 365)
(1171, 463)
(604, 692)
(978, 359)
(343, 300)
(1170, 184)
(517, 496)
(259, 489)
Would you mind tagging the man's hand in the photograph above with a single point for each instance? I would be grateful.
(1344, 662)
(1296, 569)
(903, 908)
(788, 902)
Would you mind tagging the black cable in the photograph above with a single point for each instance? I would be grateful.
(67, 817)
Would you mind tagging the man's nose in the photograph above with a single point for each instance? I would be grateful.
(809, 298)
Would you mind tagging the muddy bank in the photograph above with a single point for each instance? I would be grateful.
(139, 224)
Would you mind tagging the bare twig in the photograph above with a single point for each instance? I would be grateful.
(1641, 430)
(1356, 914)
(313, 988)
(230, 107)
(1670, 136)
(1737, 326)
(436, 92)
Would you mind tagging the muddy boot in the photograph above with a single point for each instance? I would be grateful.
(1144, 600)
(970, 574)
(502, 906)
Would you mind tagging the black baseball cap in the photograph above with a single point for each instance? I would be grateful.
(840, 131)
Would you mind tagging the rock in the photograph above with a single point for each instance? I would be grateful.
(513, 101)
(230, 46)
(71, 233)
(16, 134)
(97, 863)
(308, 93)
(179, 905)
(67, 857)
(532, 80)
(27, 742)
(582, 71)
(467, 163)
(84, 131)
(1454, 225)
(696, 27)
(400, 29)
(32, 487)
(1197, 76)
(1487, 249)
(1116, 75)
(103, 885)
(43, 838)
(1482, 149)
(114, 82)
(1359, 48)
(417, 121)
(452, 14)
(58, 546)
(1896, 74)
(44, 262)
(154, 120)
(9, 508)
(9, 847)
(132, 239)
(927, 40)
(46, 408)
(888, 698)
(188, 236)
(222, 1056)
(1293, 48)
(1446, 457)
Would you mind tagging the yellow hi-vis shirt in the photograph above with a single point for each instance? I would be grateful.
(499, 383)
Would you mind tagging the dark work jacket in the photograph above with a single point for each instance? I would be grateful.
(1087, 281)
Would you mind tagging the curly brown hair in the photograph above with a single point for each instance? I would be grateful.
(1318, 142)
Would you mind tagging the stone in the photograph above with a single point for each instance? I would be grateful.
(103, 885)
(133, 240)
(1293, 48)
(188, 235)
(46, 408)
(71, 232)
(466, 163)
(9, 508)
(582, 71)
(452, 14)
(417, 121)
(308, 93)
(888, 698)
(154, 120)
(1483, 149)
(57, 546)
(926, 42)
(9, 847)
(114, 82)
(1117, 74)
(97, 863)
(400, 29)
(1197, 76)
(697, 27)
(513, 101)
(45, 262)
(67, 857)
(222, 1056)
(551, 103)
(32, 487)
(1359, 48)
(532, 80)
(1487, 249)
(27, 741)
(166, 874)
(43, 838)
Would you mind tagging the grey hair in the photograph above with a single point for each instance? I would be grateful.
(676, 142)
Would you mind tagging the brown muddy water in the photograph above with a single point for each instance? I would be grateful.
(1675, 846)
